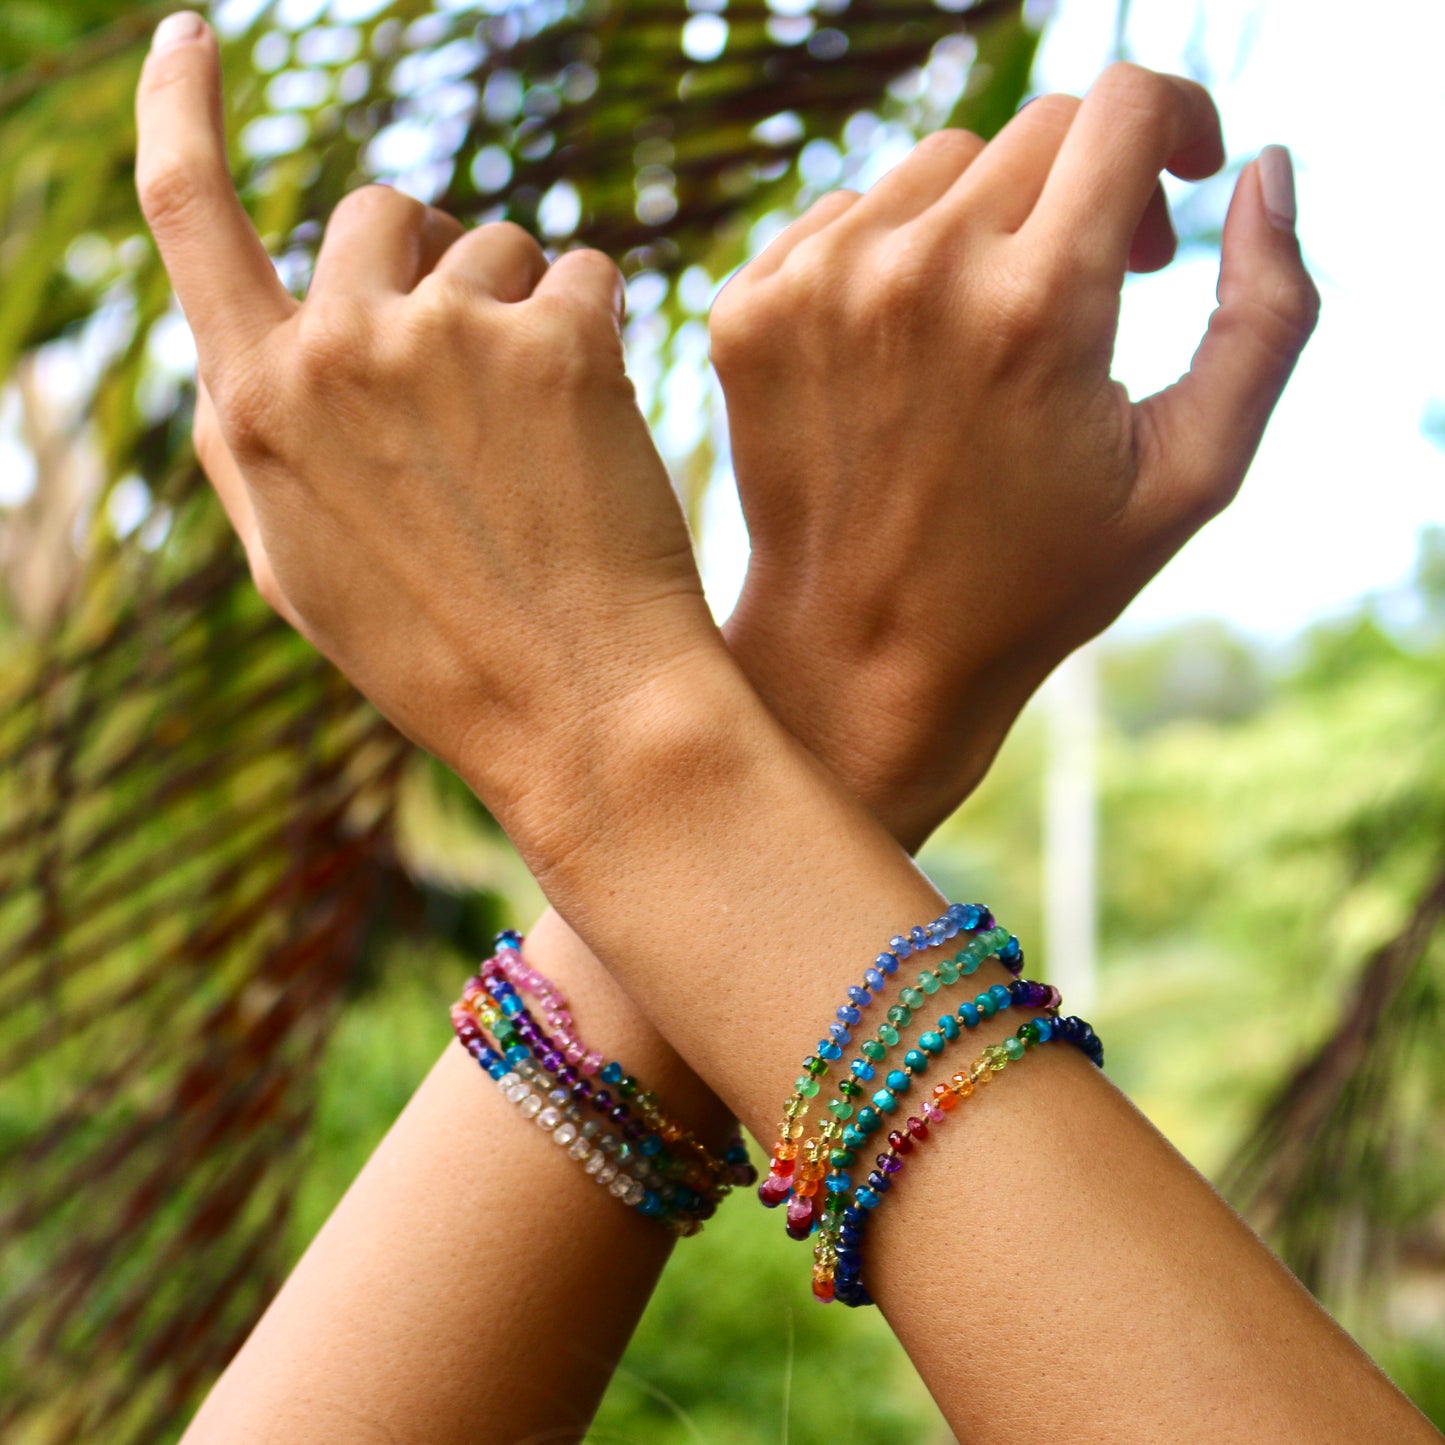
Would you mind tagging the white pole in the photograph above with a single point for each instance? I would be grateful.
(1071, 831)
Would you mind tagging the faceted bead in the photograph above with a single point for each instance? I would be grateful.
(1013, 1048)
(900, 946)
(549, 1118)
(1000, 995)
(889, 1163)
(812, 1065)
(611, 1073)
(868, 1120)
(874, 1051)
(806, 1085)
(931, 1042)
(1044, 1030)
(840, 1109)
(849, 1015)
(899, 1016)
(841, 1158)
(531, 1106)
(917, 1128)
(867, 1198)
(830, 1049)
(897, 1081)
(886, 964)
(837, 1183)
(970, 1015)
(823, 1290)
(948, 971)
(911, 998)
(928, 982)
(948, 1027)
(888, 1035)
(885, 1101)
(859, 997)
(840, 1033)
(918, 937)
(861, 1068)
(850, 1088)
(873, 979)
(916, 1061)
(879, 1182)
(933, 1113)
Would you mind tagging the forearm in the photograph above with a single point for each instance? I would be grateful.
(473, 1283)
(735, 891)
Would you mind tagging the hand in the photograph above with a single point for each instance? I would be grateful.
(946, 491)
(443, 465)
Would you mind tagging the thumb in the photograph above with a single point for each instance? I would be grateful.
(1198, 437)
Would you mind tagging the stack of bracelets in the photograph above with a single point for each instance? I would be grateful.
(626, 1143)
(809, 1171)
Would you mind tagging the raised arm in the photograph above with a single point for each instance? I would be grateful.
(739, 897)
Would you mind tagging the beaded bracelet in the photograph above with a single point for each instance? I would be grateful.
(735, 1167)
(838, 1264)
(1020, 993)
(680, 1186)
(785, 1177)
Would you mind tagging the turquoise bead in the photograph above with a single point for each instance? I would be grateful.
(854, 1138)
(931, 1042)
(948, 1026)
(898, 1082)
(869, 1120)
(968, 1012)
(867, 1199)
(1000, 995)
(986, 1004)
(916, 1060)
(884, 1101)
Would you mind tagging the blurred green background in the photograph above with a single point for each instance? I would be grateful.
(233, 906)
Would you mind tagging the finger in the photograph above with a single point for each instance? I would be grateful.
(222, 274)
(1154, 243)
(500, 258)
(587, 276)
(378, 241)
(1198, 437)
(225, 476)
(1003, 185)
(818, 217)
(919, 180)
(1133, 124)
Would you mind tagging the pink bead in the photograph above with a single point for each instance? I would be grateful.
(933, 1114)
(591, 1063)
(800, 1211)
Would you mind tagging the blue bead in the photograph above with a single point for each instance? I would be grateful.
(516, 1054)
(900, 946)
(1000, 996)
(916, 1060)
(649, 1145)
(886, 964)
(918, 937)
(897, 1081)
(854, 1138)
(859, 997)
(651, 1202)
(838, 1183)
(849, 1235)
(937, 932)
(1045, 1030)
(828, 1049)
(848, 1014)
(854, 1216)
(610, 1073)
(498, 1070)
(867, 1199)
(1011, 949)
(948, 1026)
(873, 978)
(862, 1069)
(840, 1033)
(930, 1042)
(969, 917)
(884, 1101)
(511, 1006)
(968, 1012)
(869, 1120)
(879, 1183)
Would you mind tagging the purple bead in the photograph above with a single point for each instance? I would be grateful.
(603, 1099)
(985, 920)
(552, 1062)
(582, 1089)
(618, 1113)
(567, 1074)
(633, 1129)
(889, 1163)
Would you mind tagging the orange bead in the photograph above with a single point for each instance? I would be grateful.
(947, 1100)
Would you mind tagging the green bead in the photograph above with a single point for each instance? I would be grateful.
(900, 1016)
(849, 1088)
(1030, 1032)
(803, 1084)
(874, 1051)
(814, 1065)
(1014, 1048)
(928, 982)
(916, 1061)
(888, 1033)
(932, 1042)
(628, 1087)
(911, 997)
(835, 1203)
(948, 971)
(841, 1158)
(839, 1110)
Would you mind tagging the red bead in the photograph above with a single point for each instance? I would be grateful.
(917, 1128)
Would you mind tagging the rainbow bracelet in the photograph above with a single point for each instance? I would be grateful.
(837, 1267)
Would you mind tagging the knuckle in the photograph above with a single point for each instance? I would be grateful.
(1137, 88)
(1054, 111)
(173, 194)
(590, 275)
(368, 204)
(333, 342)
(951, 141)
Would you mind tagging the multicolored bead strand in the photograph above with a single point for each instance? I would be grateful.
(1020, 993)
(837, 1270)
(799, 1163)
(647, 1159)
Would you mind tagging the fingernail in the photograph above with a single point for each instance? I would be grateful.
(176, 29)
(1276, 184)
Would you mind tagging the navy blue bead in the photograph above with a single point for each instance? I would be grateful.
(879, 1183)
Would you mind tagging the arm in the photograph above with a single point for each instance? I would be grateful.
(757, 850)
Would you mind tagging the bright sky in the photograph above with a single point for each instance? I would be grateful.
(1345, 479)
